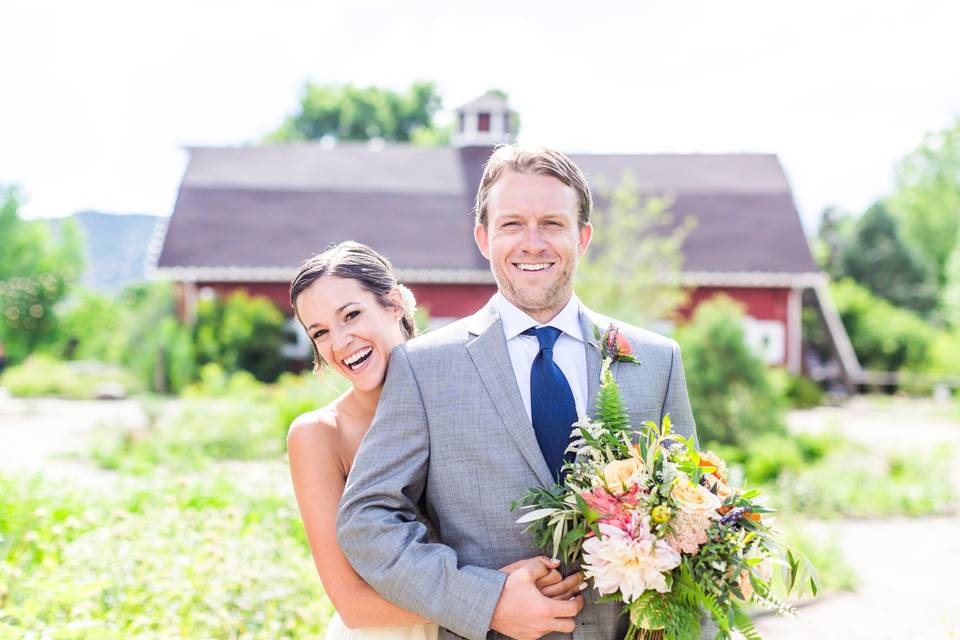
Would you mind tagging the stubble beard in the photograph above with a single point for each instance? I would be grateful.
(551, 300)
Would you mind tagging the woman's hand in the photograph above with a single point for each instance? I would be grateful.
(553, 585)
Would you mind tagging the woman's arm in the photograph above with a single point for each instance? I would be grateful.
(318, 481)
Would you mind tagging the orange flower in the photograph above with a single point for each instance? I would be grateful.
(623, 345)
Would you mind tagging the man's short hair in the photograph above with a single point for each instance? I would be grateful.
(537, 161)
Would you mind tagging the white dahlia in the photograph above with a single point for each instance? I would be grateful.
(631, 561)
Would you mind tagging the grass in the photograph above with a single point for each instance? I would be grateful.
(155, 559)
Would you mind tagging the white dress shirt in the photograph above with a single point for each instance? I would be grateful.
(568, 352)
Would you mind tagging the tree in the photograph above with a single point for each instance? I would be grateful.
(833, 235)
(347, 112)
(927, 200)
(37, 270)
(877, 257)
(632, 269)
(951, 292)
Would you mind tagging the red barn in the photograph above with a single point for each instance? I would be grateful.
(245, 217)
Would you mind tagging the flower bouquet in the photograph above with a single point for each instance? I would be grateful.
(656, 526)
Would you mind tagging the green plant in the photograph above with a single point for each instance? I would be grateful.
(885, 337)
(854, 482)
(41, 375)
(797, 391)
(730, 390)
(241, 333)
(221, 417)
(204, 559)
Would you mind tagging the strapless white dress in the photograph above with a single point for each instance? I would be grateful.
(336, 630)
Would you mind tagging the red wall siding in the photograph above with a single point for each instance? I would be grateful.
(762, 304)
(277, 292)
(452, 300)
(442, 300)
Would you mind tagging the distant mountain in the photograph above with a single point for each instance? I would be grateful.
(117, 248)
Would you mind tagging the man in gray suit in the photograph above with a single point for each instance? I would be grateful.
(475, 413)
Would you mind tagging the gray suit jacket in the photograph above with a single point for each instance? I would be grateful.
(451, 437)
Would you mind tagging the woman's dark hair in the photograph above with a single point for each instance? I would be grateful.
(355, 261)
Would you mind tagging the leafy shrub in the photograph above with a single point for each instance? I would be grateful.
(241, 333)
(884, 337)
(853, 482)
(765, 458)
(731, 393)
(797, 391)
(41, 375)
(221, 417)
(160, 560)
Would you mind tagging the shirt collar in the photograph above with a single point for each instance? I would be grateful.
(516, 321)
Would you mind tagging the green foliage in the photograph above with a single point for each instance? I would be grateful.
(241, 333)
(632, 269)
(37, 270)
(767, 457)
(40, 375)
(927, 199)
(944, 357)
(202, 559)
(884, 337)
(221, 417)
(950, 298)
(854, 482)
(731, 393)
(347, 112)
(876, 257)
(835, 572)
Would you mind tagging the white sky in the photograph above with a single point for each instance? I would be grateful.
(99, 97)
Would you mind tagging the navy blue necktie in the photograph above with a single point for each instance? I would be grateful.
(552, 408)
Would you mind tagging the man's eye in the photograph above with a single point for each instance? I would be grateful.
(510, 224)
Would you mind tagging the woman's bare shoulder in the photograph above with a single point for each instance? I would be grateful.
(315, 431)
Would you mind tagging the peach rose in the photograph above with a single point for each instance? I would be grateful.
(621, 475)
(694, 499)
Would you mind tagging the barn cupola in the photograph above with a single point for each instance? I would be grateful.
(485, 122)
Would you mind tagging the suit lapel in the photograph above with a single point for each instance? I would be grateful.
(592, 349)
(488, 350)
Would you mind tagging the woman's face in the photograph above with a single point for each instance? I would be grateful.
(353, 332)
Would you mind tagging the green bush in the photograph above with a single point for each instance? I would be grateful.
(767, 457)
(241, 333)
(851, 481)
(730, 390)
(203, 559)
(221, 417)
(41, 375)
(797, 391)
(884, 337)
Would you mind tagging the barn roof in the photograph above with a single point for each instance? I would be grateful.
(256, 212)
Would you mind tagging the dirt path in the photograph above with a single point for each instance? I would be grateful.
(907, 571)
(43, 435)
(907, 567)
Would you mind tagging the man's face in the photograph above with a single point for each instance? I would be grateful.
(532, 241)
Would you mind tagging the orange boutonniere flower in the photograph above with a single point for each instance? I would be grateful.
(615, 346)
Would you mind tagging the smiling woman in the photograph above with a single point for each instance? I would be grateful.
(354, 312)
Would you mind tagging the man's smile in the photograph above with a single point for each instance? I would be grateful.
(533, 266)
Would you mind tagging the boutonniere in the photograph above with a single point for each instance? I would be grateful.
(614, 347)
